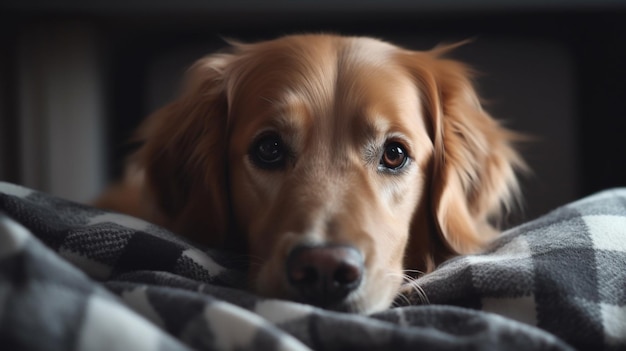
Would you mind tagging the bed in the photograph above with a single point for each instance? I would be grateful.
(73, 277)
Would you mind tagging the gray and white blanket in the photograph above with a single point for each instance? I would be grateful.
(74, 277)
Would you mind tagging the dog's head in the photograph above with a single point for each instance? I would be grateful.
(341, 163)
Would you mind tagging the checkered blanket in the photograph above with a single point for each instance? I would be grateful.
(75, 277)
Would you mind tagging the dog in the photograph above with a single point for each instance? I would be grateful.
(341, 166)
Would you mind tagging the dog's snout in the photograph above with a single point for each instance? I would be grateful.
(324, 275)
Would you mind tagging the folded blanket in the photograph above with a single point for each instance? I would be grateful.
(76, 277)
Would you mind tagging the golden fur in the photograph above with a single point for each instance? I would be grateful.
(335, 102)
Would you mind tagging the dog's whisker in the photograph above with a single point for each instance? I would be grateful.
(418, 291)
(401, 294)
(410, 288)
(405, 300)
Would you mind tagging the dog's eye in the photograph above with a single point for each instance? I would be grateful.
(394, 156)
(268, 151)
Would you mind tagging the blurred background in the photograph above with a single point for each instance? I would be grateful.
(76, 76)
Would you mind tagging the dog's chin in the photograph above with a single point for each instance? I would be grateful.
(347, 305)
(354, 303)
(358, 302)
(361, 306)
(367, 299)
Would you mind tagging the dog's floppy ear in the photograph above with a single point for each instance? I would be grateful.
(473, 164)
(183, 156)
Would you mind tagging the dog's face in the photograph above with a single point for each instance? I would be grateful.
(340, 162)
(327, 149)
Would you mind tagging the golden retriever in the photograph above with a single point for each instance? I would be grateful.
(339, 165)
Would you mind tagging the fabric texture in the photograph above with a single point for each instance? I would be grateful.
(73, 277)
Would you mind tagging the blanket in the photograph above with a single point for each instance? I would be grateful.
(73, 277)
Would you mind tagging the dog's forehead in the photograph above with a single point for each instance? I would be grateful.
(328, 83)
(310, 65)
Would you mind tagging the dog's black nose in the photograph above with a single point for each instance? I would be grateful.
(324, 275)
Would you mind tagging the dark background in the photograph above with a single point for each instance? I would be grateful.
(552, 69)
